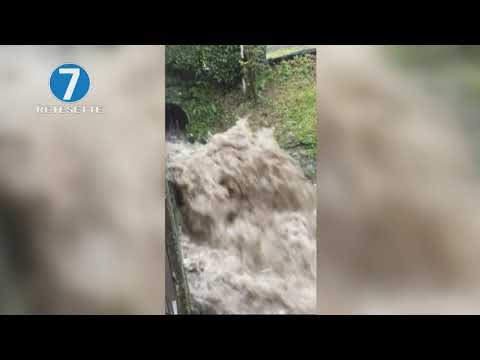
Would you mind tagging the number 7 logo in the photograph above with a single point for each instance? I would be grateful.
(75, 72)
(69, 82)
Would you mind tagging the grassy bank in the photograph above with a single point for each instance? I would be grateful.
(286, 102)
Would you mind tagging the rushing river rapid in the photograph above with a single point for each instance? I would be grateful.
(249, 237)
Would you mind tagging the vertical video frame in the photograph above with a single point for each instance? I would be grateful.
(240, 184)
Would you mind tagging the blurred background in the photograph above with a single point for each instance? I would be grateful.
(82, 195)
(397, 179)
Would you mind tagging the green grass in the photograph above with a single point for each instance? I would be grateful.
(293, 99)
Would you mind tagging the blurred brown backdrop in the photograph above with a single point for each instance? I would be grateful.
(398, 218)
(82, 195)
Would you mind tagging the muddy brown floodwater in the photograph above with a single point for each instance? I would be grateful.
(249, 240)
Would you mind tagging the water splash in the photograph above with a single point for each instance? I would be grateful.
(249, 213)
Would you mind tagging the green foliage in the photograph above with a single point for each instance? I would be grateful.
(301, 67)
(213, 63)
(208, 66)
(207, 117)
(203, 106)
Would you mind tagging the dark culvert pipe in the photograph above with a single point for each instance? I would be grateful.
(176, 121)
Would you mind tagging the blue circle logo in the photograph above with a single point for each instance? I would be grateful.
(69, 83)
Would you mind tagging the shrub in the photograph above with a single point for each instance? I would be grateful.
(220, 64)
